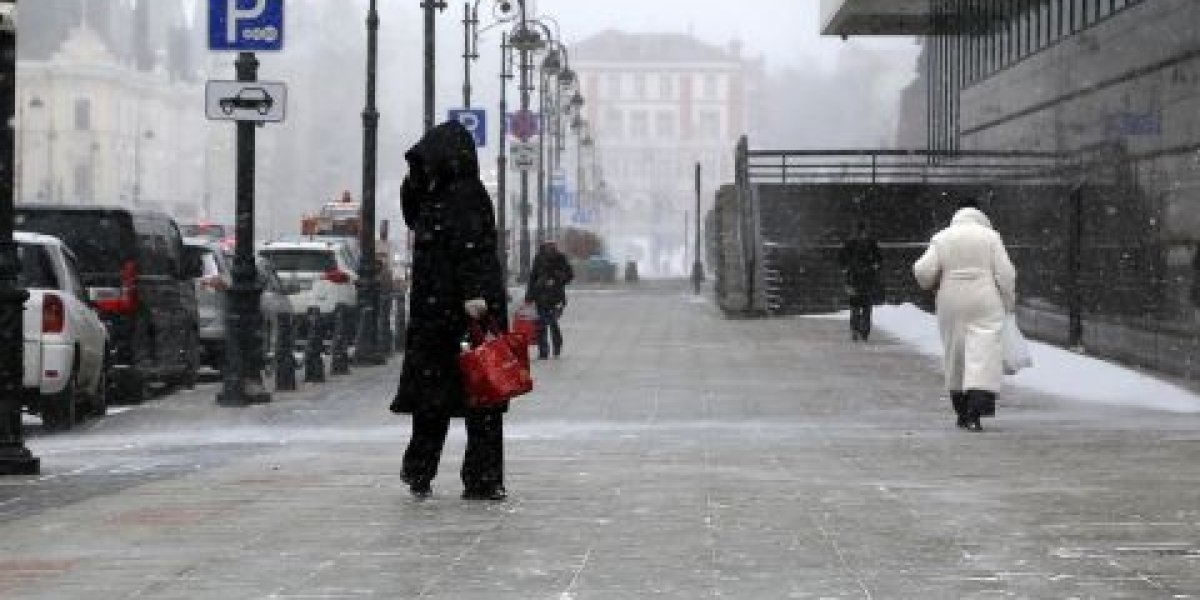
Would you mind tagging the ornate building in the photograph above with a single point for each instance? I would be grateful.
(660, 103)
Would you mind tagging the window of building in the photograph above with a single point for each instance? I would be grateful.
(664, 124)
(83, 114)
(614, 124)
(639, 86)
(639, 125)
(614, 86)
(710, 86)
(710, 124)
(666, 87)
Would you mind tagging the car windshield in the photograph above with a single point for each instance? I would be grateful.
(301, 260)
(37, 269)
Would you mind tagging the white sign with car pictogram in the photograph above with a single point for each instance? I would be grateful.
(259, 101)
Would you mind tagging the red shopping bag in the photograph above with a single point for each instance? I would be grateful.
(495, 368)
(525, 323)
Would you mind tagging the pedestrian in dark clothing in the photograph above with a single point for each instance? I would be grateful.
(456, 277)
(548, 281)
(861, 263)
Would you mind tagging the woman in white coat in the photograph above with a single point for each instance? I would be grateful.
(968, 266)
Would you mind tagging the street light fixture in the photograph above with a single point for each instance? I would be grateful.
(367, 346)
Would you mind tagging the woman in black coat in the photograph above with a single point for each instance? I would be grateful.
(456, 277)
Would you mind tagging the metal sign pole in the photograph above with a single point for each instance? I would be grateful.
(243, 370)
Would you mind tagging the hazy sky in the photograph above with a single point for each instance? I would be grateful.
(786, 32)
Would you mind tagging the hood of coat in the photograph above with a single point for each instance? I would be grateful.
(446, 152)
(971, 215)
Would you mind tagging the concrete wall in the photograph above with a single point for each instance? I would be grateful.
(1142, 64)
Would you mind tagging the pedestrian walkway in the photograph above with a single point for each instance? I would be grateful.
(670, 453)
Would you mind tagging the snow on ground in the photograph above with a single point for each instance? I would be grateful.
(1055, 370)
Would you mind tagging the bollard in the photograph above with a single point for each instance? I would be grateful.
(339, 363)
(386, 344)
(401, 329)
(314, 365)
(367, 315)
(285, 358)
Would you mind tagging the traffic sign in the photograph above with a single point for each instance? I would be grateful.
(245, 25)
(524, 125)
(524, 155)
(475, 120)
(260, 101)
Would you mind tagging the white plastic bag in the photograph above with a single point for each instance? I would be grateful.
(1016, 349)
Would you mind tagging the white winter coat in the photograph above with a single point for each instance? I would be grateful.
(976, 285)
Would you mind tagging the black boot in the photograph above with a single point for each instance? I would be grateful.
(980, 403)
(959, 400)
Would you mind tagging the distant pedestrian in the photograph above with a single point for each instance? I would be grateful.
(456, 278)
(861, 264)
(548, 280)
(1196, 280)
(975, 281)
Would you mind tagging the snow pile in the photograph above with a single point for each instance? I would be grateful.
(1055, 370)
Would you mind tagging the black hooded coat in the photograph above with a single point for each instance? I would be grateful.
(454, 259)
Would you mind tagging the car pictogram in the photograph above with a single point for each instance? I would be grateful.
(250, 98)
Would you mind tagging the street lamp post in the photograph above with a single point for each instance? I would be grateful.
(430, 55)
(15, 458)
(585, 144)
(367, 350)
(502, 156)
(575, 107)
(137, 164)
(697, 265)
(524, 41)
(550, 68)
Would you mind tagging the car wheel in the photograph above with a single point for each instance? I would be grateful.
(58, 411)
(134, 388)
(99, 405)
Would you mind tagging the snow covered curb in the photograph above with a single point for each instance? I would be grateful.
(1055, 371)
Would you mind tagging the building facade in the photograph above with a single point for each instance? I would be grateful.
(110, 109)
(1110, 86)
(659, 104)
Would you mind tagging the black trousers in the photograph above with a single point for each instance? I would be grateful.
(860, 318)
(548, 328)
(483, 465)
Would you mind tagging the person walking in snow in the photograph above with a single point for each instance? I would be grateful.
(456, 278)
(975, 281)
(861, 263)
(548, 279)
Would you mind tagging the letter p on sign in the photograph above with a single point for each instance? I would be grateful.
(241, 14)
(245, 25)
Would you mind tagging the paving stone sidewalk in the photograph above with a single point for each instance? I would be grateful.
(670, 453)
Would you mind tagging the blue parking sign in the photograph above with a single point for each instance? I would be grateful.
(245, 25)
(475, 120)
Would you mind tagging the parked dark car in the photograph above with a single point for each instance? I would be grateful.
(139, 280)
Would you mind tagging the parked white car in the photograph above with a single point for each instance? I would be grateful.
(65, 340)
(314, 273)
